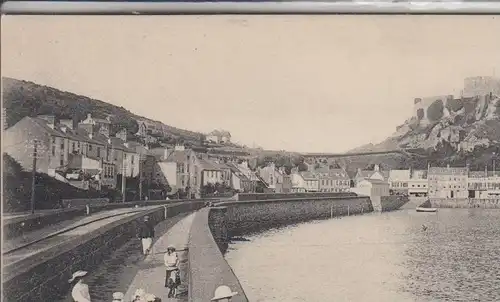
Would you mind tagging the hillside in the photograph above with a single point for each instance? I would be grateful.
(454, 131)
(23, 98)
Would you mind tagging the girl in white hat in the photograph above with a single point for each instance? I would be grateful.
(118, 297)
(171, 277)
(223, 294)
(80, 292)
(139, 295)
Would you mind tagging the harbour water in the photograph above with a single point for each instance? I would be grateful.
(451, 255)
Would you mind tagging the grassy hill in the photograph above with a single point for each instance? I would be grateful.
(24, 98)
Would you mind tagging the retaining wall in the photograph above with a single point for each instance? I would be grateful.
(465, 203)
(393, 202)
(207, 267)
(14, 227)
(45, 275)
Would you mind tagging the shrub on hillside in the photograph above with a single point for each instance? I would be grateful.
(435, 111)
(454, 105)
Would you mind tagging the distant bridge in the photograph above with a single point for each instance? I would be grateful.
(337, 155)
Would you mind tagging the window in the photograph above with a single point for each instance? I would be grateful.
(53, 139)
(125, 155)
(53, 150)
(73, 147)
(61, 162)
(62, 145)
(90, 147)
(98, 151)
(132, 159)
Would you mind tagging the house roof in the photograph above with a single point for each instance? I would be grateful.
(448, 171)
(308, 175)
(399, 174)
(419, 174)
(237, 172)
(375, 181)
(207, 164)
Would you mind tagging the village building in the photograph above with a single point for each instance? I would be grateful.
(448, 182)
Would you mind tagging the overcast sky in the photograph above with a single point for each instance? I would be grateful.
(300, 83)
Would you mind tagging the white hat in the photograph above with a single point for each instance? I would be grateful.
(170, 247)
(150, 298)
(77, 274)
(139, 292)
(118, 296)
(223, 292)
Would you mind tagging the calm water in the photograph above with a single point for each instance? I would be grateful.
(375, 257)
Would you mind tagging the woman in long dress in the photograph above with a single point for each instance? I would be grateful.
(80, 291)
(172, 263)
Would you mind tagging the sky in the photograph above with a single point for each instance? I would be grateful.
(297, 83)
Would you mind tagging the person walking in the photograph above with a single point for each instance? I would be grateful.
(118, 297)
(223, 294)
(172, 270)
(80, 291)
(146, 234)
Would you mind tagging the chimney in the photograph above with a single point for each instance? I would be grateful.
(89, 115)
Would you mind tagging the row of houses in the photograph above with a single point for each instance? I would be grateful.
(446, 182)
(86, 155)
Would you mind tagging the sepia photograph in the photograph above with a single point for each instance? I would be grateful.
(250, 158)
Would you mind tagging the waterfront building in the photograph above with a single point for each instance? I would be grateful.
(298, 182)
(418, 184)
(376, 173)
(311, 181)
(239, 181)
(188, 173)
(333, 180)
(449, 182)
(398, 180)
(372, 188)
(273, 177)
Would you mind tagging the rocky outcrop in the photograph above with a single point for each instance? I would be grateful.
(464, 124)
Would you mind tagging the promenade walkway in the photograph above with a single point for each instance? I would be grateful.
(37, 235)
(151, 275)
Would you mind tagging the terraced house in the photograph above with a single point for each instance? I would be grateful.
(449, 182)
(333, 180)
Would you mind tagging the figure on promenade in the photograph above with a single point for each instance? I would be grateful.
(139, 295)
(80, 291)
(172, 276)
(118, 297)
(152, 298)
(223, 294)
(146, 234)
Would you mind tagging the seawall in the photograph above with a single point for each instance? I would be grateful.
(43, 276)
(465, 203)
(213, 227)
(393, 202)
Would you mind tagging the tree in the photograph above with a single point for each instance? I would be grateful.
(435, 110)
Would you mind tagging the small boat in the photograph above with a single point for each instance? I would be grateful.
(429, 210)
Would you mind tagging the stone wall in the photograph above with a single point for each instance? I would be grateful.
(267, 196)
(393, 202)
(246, 217)
(207, 267)
(44, 276)
(465, 203)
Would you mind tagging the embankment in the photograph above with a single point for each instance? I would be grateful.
(465, 203)
(213, 228)
(393, 202)
(14, 227)
(44, 275)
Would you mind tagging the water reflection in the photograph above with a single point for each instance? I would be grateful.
(377, 257)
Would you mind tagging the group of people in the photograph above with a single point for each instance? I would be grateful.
(80, 291)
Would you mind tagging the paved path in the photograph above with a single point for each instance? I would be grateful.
(36, 235)
(151, 276)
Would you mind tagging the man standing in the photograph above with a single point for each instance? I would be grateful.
(146, 234)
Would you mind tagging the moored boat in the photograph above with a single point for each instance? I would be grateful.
(430, 210)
